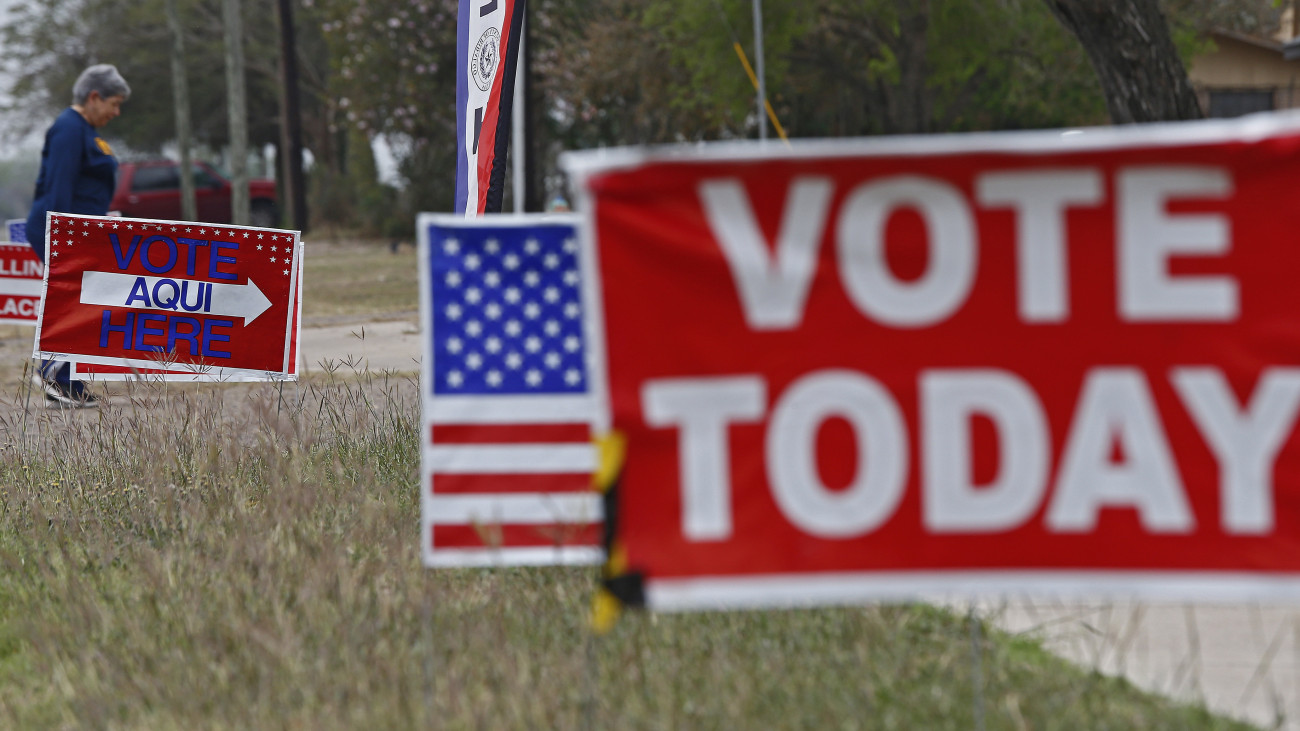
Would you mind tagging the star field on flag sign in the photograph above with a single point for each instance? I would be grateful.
(507, 312)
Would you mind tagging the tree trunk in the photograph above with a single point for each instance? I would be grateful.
(1134, 56)
(911, 107)
(291, 120)
(238, 110)
(181, 101)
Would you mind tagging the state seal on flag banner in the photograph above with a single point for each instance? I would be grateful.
(483, 64)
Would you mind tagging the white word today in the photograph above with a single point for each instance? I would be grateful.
(1115, 406)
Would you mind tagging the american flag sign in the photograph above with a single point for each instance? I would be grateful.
(507, 452)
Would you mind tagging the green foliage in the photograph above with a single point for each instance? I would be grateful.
(701, 37)
(1191, 20)
(48, 45)
(393, 73)
(666, 70)
(605, 72)
(350, 196)
(394, 61)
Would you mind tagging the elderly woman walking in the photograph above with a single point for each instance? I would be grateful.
(78, 174)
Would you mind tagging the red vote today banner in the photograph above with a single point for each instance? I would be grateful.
(209, 298)
(965, 363)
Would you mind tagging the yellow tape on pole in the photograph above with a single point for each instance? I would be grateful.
(753, 79)
(606, 607)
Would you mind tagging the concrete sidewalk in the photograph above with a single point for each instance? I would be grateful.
(1242, 661)
(377, 346)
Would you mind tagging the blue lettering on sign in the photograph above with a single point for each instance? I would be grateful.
(124, 257)
(145, 250)
(190, 336)
(198, 338)
(199, 302)
(142, 329)
(106, 328)
(217, 246)
(147, 246)
(170, 294)
(192, 248)
(210, 337)
(139, 291)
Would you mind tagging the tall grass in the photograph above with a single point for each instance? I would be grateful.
(233, 556)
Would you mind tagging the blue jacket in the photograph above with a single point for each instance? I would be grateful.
(78, 174)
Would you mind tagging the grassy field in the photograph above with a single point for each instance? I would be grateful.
(350, 282)
(246, 557)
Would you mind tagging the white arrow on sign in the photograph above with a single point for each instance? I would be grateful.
(179, 295)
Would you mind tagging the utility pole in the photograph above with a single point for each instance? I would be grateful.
(181, 101)
(518, 123)
(238, 110)
(291, 119)
(532, 196)
(758, 59)
(522, 130)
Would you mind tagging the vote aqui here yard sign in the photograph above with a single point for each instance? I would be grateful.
(216, 299)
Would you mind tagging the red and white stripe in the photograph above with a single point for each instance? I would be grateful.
(514, 493)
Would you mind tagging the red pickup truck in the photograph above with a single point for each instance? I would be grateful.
(151, 189)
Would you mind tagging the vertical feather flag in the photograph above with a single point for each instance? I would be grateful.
(487, 51)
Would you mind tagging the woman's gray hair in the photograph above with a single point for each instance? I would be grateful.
(103, 78)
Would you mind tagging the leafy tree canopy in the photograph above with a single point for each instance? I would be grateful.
(605, 72)
(48, 43)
